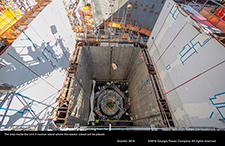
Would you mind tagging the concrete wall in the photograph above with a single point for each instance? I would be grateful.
(80, 103)
(142, 100)
(95, 64)
(190, 66)
(100, 60)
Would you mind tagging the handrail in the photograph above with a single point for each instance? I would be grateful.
(10, 35)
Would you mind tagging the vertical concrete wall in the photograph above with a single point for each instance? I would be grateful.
(36, 64)
(142, 100)
(95, 63)
(190, 66)
(80, 103)
(100, 61)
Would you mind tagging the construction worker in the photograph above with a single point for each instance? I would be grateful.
(131, 118)
(97, 121)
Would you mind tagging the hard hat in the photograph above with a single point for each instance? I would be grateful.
(129, 6)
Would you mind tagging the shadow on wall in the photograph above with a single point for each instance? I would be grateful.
(22, 66)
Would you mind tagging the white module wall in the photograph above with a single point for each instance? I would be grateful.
(190, 66)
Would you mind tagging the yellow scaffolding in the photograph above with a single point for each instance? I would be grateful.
(17, 25)
(8, 17)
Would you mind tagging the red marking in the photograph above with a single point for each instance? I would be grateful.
(143, 58)
(32, 71)
(161, 27)
(168, 5)
(195, 77)
(109, 110)
(38, 58)
(184, 83)
(159, 78)
(60, 46)
(67, 73)
(171, 42)
(55, 38)
(160, 107)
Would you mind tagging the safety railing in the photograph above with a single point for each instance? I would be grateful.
(213, 11)
(14, 30)
(7, 18)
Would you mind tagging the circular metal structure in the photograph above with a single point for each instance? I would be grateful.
(110, 103)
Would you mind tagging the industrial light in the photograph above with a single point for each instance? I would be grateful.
(129, 7)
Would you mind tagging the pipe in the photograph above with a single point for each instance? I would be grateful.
(7, 109)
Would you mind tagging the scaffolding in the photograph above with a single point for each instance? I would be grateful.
(71, 8)
(211, 13)
(15, 16)
(64, 100)
(15, 19)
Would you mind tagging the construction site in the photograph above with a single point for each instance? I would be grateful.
(112, 65)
